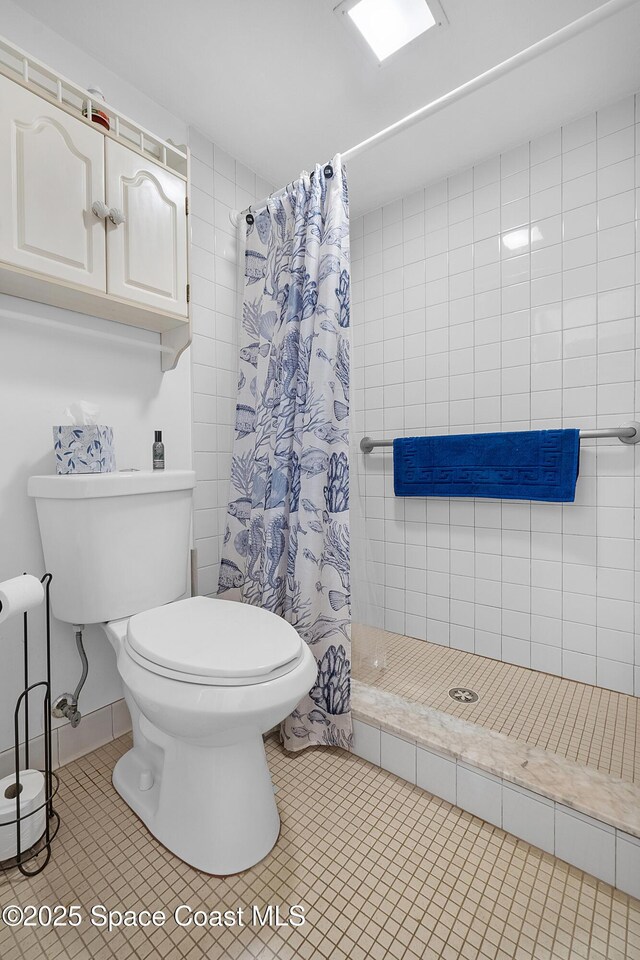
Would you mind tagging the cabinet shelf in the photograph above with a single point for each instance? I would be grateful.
(174, 330)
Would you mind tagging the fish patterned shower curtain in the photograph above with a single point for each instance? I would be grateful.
(286, 544)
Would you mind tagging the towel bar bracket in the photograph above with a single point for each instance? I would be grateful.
(626, 433)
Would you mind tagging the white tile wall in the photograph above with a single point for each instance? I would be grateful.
(479, 793)
(68, 743)
(435, 773)
(219, 184)
(398, 756)
(94, 730)
(505, 298)
(589, 844)
(366, 740)
(529, 816)
(628, 863)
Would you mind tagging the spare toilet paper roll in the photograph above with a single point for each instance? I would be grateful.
(32, 796)
(19, 595)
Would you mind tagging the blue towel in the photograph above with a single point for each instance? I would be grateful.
(527, 465)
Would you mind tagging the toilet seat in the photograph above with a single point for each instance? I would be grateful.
(213, 642)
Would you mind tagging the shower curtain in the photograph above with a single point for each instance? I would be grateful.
(286, 543)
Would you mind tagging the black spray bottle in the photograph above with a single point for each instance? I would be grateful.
(158, 451)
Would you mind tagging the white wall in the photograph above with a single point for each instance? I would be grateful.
(41, 371)
(76, 64)
(219, 184)
(504, 298)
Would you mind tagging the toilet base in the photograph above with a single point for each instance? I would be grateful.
(212, 806)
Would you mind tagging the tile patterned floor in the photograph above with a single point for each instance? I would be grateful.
(592, 726)
(384, 870)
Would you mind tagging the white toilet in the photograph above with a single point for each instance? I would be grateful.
(203, 678)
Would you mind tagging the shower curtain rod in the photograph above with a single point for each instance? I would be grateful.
(524, 56)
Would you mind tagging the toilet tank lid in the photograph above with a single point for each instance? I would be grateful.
(82, 486)
(214, 638)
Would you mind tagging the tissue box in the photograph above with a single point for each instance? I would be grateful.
(87, 449)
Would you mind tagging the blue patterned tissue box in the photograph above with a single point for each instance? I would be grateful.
(87, 449)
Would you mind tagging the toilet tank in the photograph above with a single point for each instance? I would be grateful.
(115, 543)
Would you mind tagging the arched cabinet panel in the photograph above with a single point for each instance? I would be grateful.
(51, 172)
(147, 251)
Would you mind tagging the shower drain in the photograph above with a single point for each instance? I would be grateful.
(463, 695)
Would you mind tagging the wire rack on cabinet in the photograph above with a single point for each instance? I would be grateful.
(76, 100)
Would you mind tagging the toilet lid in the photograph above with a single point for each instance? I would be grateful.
(223, 639)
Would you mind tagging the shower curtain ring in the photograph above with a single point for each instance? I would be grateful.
(249, 218)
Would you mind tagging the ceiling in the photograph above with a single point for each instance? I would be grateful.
(281, 84)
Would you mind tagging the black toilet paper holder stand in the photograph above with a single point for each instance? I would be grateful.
(40, 853)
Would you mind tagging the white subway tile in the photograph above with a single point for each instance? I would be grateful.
(366, 741)
(398, 756)
(616, 116)
(436, 773)
(529, 816)
(201, 147)
(94, 730)
(616, 147)
(578, 162)
(578, 132)
(480, 794)
(586, 843)
(578, 192)
(578, 666)
(546, 147)
(616, 178)
(628, 864)
(614, 675)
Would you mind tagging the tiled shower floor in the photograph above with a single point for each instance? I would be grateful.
(384, 870)
(589, 725)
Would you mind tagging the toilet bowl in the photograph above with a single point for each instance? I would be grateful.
(204, 679)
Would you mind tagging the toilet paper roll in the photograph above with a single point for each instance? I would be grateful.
(32, 796)
(19, 595)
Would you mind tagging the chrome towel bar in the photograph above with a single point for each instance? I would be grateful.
(626, 433)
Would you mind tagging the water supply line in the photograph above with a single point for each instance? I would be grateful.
(66, 705)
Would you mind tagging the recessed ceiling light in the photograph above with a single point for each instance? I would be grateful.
(387, 25)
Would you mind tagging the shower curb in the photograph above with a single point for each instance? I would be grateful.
(525, 790)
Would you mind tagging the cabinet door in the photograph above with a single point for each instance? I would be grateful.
(51, 171)
(147, 253)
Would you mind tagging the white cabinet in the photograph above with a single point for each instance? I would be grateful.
(51, 171)
(92, 220)
(147, 251)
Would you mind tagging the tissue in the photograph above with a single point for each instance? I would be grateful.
(19, 595)
(32, 798)
(82, 413)
(86, 446)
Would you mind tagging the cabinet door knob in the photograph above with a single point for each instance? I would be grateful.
(116, 216)
(100, 209)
